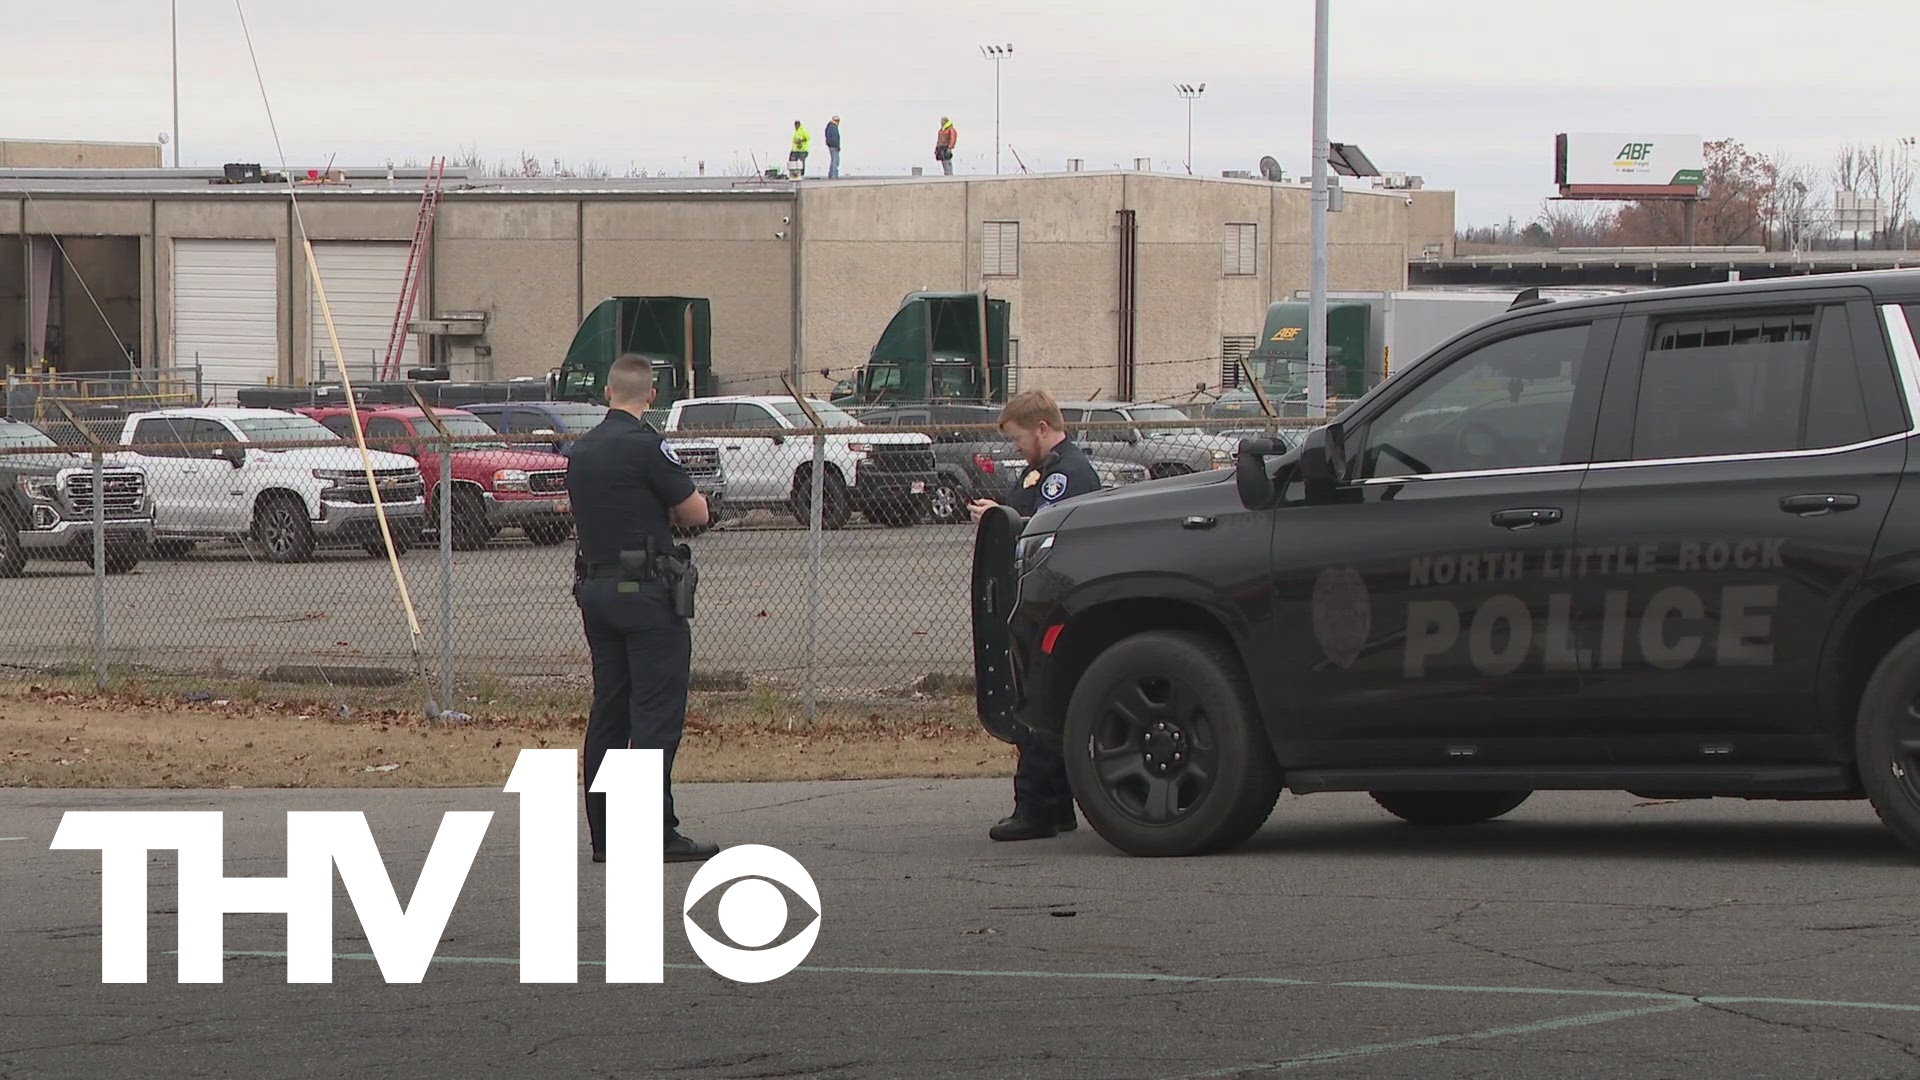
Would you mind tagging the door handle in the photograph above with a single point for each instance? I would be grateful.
(733, 446)
(1817, 505)
(1529, 517)
(1198, 522)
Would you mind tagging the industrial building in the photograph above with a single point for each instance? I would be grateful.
(1113, 276)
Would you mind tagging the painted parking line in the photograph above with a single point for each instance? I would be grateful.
(1425, 1042)
(1224, 980)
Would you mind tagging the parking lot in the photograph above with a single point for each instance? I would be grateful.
(1587, 935)
(893, 607)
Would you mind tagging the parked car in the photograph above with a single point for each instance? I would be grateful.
(889, 478)
(701, 457)
(46, 506)
(495, 486)
(1166, 451)
(291, 501)
(977, 464)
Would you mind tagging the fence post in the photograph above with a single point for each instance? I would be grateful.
(99, 574)
(199, 381)
(446, 574)
(816, 534)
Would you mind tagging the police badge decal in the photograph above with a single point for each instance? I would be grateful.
(1342, 614)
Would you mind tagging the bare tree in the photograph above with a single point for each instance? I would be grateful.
(1794, 187)
(1897, 181)
(1578, 224)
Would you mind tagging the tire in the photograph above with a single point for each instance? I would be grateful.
(13, 557)
(1168, 468)
(1443, 809)
(1887, 740)
(948, 503)
(281, 526)
(172, 549)
(1186, 768)
(547, 534)
(836, 504)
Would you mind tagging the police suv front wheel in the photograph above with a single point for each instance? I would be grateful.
(1165, 749)
(1440, 809)
(1887, 740)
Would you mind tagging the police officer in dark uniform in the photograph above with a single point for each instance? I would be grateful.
(629, 491)
(1057, 469)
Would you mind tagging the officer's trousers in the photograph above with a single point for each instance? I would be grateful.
(1040, 788)
(642, 655)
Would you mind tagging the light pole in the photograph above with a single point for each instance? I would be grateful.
(1190, 92)
(996, 53)
(1317, 267)
(174, 8)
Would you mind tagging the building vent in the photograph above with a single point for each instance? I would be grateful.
(1141, 164)
(1075, 164)
(1233, 349)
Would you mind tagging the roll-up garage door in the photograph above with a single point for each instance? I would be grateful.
(226, 312)
(363, 290)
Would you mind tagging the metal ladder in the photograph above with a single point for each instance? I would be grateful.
(416, 269)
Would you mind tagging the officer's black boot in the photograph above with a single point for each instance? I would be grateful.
(686, 849)
(1024, 828)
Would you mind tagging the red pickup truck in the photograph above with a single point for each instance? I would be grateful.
(495, 485)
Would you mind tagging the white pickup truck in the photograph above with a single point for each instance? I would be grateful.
(887, 476)
(288, 500)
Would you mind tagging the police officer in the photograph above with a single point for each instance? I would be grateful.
(628, 491)
(1057, 469)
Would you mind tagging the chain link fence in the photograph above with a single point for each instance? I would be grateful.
(240, 543)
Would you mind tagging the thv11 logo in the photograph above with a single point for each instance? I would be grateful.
(751, 910)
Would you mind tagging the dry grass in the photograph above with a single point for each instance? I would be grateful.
(174, 734)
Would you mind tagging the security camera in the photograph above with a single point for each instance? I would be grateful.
(780, 236)
(786, 221)
(1409, 200)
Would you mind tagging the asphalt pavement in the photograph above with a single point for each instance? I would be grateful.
(1587, 935)
(892, 608)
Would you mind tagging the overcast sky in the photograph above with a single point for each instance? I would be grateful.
(1468, 94)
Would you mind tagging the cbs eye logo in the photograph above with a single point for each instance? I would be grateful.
(752, 885)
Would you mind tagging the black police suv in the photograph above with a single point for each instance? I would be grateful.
(1667, 543)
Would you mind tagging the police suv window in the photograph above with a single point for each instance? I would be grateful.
(1503, 406)
(1744, 384)
(384, 427)
(1105, 416)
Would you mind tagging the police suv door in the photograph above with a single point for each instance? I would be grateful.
(1413, 624)
(1748, 452)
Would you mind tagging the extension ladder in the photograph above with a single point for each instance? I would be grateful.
(416, 269)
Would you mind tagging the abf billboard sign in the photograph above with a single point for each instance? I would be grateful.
(1630, 160)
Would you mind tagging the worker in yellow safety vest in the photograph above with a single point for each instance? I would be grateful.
(797, 160)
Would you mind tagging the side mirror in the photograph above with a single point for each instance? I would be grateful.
(232, 455)
(1250, 473)
(1320, 455)
(779, 440)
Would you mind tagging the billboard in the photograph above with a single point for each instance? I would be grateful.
(1628, 162)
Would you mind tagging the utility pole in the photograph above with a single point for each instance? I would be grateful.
(1317, 275)
(1190, 92)
(996, 53)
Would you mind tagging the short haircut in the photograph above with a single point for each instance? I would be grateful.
(629, 380)
(1029, 407)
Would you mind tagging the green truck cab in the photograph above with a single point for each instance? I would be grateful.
(932, 351)
(1279, 360)
(674, 332)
